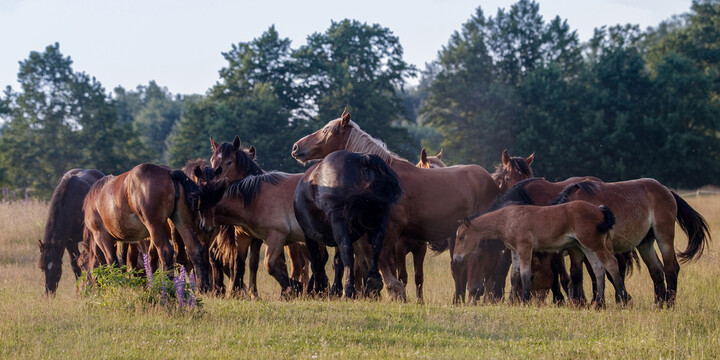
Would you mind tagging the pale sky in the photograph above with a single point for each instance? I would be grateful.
(178, 43)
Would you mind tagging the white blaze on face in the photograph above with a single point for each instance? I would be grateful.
(219, 156)
(50, 265)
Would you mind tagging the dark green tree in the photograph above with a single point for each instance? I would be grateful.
(358, 66)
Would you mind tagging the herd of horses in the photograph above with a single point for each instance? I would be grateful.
(375, 208)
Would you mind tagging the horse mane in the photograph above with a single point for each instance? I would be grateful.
(564, 196)
(95, 188)
(516, 162)
(189, 187)
(250, 186)
(242, 159)
(361, 142)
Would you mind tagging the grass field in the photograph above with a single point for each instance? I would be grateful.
(71, 326)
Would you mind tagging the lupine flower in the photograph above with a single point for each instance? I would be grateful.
(180, 286)
(148, 271)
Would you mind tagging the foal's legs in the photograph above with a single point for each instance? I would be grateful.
(523, 254)
(602, 259)
(577, 293)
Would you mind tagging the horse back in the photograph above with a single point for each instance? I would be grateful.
(435, 199)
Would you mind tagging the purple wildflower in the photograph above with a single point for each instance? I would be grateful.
(148, 270)
(180, 286)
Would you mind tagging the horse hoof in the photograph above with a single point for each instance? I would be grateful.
(374, 286)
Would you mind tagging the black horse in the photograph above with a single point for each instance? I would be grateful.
(64, 227)
(338, 200)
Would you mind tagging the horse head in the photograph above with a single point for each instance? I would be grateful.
(331, 137)
(512, 170)
(211, 187)
(50, 263)
(237, 162)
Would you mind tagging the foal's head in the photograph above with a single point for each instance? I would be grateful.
(430, 162)
(211, 187)
(331, 137)
(512, 170)
(237, 162)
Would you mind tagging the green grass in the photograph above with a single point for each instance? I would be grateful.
(71, 326)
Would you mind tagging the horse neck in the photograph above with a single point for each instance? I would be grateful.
(361, 142)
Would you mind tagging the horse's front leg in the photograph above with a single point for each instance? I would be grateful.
(336, 288)
(395, 288)
(275, 260)
(319, 279)
(374, 281)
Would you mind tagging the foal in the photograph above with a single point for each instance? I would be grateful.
(576, 226)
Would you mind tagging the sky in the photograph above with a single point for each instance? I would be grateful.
(179, 43)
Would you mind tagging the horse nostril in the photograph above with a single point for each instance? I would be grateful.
(295, 148)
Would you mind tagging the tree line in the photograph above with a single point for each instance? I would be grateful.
(628, 103)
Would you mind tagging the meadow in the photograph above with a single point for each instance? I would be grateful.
(33, 326)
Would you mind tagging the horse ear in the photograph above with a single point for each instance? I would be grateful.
(252, 152)
(198, 172)
(530, 159)
(218, 171)
(423, 156)
(345, 118)
(214, 144)
(466, 221)
(40, 244)
(505, 158)
(439, 155)
(236, 143)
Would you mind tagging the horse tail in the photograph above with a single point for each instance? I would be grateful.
(608, 220)
(564, 196)
(631, 260)
(438, 246)
(695, 227)
(190, 188)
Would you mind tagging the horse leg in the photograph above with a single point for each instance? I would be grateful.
(401, 250)
(318, 258)
(133, 252)
(253, 265)
(345, 248)
(459, 274)
(577, 293)
(374, 281)
(558, 268)
(395, 288)
(665, 235)
(603, 259)
(500, 276)
(297, 266)
(419, 251)
(74, 253)
(275, 261)
(655, 268)
(338, 267)
(523, 254)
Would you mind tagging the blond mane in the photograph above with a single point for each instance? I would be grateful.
(361, 142)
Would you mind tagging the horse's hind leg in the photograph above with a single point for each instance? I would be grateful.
(577, 293)
(419, 252)
(345, 248)
(665, 235)
(651, 260)
(253, 264)
(602, 260)
(523, 255)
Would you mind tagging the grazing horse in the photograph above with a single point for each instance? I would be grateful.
(262, 204)
(137, 204)
(646, 212)
(576, 226)
(433, 199)
(341, 198)
(64, 226)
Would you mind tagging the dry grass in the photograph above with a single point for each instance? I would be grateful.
(32, 326)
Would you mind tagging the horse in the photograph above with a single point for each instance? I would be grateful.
(430, 162)
(575, 226)
(418, 214)
(64, 225)
(512, 170)
(647, 211)
(341, 198)
(138, 204)
(262, 204)
(228, 247)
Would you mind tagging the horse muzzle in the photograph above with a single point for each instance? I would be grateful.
(459, 259)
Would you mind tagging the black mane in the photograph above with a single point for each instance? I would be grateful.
(589, 187)
(242, 159)
(250, 186)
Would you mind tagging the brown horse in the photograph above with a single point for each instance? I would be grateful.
(262, 204)
(429, 162)
(646, 212)
(137, 204)
(64, 226)
(434, 199)
(512, 170)
(576, 226)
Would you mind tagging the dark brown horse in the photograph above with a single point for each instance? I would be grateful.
(646, 212)
(339, 199)
(575, 226)
(64, 226)
(433, 201)
(138, 204)
(262, 204)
